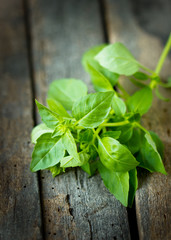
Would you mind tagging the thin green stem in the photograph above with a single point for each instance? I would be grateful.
(163, 55)
(141, 127)
(96, 132)
(147, 69)
(116, 124)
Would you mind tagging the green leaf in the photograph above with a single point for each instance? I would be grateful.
(50, 118)
(47, 152)
(134, 142)
(38, 131)
(100, 82)
(67, 91)
(134, 117)
(118, 106)
(88, 57)
(70, 161)
(86, 136)
(90, 167)
(116, 183)
(91, 110)
(117, 58)
(133, 185)
(88, 61)
(70, 145)
(112, 134)
(126, 133)
(141, 76)
(140, 101)
(93, 152)
(158, 143)
(160, 96)
(56, 170)
(57, 107)
(149, 157)
(115, 156)
(59, 130)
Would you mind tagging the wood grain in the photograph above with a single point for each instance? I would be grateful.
(19, 197)
(136, 25)
(75, 207)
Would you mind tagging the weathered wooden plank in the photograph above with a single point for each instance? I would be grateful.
(19, 196)
(75, 207)
(137, 27)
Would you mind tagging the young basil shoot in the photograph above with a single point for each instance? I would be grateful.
(102, 131)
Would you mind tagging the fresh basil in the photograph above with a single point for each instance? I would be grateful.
(149, 157)
(117, 183)
(50, 118)
(91, 110)
(102, 131)
(140, 101)
(38, 131)
(133, 185)
(117, 58)
(47, 152)
(115, 156)
(67, 91)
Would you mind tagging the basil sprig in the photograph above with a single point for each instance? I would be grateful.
(102, 131)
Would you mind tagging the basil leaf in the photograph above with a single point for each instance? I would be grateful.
(112, 134)
(47, 152)
(115, 156)
(90, 167)
(140, 101)
(70, 161)
(67, 91)
(88, 57)
(133, 185)
(59, 130)
(88, 61)
(149, 157)
(50, 118)
(100, 82)
(93, 152)
(126, 133)
(70, 145)
(134, 142)
(158, 143)
(117, 58)
(91, 110)
(118, 105)
(57, 107)
(134, 117)
(56, 170)
(38, 131)
(86, 136)
(141, 76)
(116, 183)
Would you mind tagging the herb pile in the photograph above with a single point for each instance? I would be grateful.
(102, 131)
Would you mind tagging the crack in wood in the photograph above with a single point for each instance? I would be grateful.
(70, 209)
(91, 230)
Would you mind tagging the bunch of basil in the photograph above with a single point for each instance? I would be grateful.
(101, 131)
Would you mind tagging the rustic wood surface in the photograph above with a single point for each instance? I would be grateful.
(145, 37)
(74, 206)
(19, 194)
(43, 40)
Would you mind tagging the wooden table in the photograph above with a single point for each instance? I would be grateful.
(44, 40)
